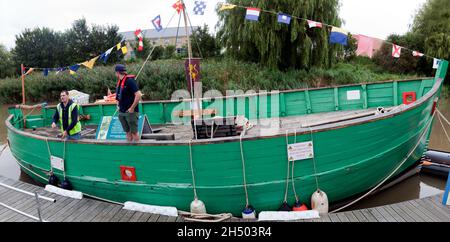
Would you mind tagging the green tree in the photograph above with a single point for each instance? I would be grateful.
(432, 26)
(6, 64)
(204, 44)
(84, 42)
(407, 63)
(169, 52)
(39, 48)
(277, 45)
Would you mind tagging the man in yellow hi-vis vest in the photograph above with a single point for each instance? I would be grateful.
(67, 115)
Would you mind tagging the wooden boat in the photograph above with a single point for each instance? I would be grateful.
(355, 147)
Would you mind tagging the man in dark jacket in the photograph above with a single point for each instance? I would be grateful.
(128, 97)
(67, 115)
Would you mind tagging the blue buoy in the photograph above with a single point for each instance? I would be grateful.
(65, 184)
(249, 212)
(285, 207)
(53, 180)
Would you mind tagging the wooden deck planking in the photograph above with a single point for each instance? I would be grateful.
(65, 209)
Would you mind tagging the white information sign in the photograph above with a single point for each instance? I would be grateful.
(57, 163)
(353, 95)
(300, 151)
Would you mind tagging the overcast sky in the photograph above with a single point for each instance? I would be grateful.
(377, 18)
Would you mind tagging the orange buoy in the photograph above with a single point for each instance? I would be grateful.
(299, 207)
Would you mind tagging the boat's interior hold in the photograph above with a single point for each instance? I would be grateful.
(219, 127)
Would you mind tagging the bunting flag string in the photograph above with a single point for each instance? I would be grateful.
(337, 35)
(121, 48)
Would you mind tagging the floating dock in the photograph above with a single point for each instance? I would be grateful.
(65, 209)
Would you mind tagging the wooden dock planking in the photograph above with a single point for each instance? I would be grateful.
(66, 209)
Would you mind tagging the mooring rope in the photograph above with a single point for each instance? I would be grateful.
(49, 155)
(3, 149)
(243, 171)
(292, 173)
(442, 115)
(443, 127)
(392, 173)
(192, 170)
(314, 160)
(288, 164)
(64, 159)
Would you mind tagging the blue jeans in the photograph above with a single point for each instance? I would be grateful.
(76, 136)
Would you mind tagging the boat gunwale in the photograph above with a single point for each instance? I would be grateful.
(300, 131)
(260, 93)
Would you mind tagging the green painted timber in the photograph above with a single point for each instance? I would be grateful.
(350, 158)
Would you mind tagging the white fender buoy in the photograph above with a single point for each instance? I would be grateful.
(249, 212)
(319, 202)
(198, 207)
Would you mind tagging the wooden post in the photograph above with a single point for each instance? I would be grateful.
(193, 94)
(22, 69)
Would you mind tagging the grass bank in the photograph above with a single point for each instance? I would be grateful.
(160, 78)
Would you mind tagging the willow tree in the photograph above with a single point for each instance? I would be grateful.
(432, 26)
(277, 45)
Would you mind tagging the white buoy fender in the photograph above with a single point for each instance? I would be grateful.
(198, 207)
(319, 202)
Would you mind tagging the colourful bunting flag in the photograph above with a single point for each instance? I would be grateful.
(284, 18)
(436, 63)
(396, 51)
(338, 36)
(46, 70)
(252, 14)
(157, 23)
(90, 64)
(313, 24)
(105, 55)
(226, 6)
(199, 8)
(73, 69)
(417, 54)
(122, 47)
(140, 36)
(178, 6)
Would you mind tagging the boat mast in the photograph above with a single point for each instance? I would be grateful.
(189, 69)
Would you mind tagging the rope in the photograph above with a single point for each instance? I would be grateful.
(195, 39)
(64, 159)
(292, 173)
(25, 116)
(3, 149)
(49, 154)
(192, 170)
(243, 172)
(314, 160)
(392, 173)
(287, 175)
(203, 217)
(443, 127)
(442, 115)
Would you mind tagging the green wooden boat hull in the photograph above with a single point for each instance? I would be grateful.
(351, 156)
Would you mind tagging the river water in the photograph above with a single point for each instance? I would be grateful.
(417, 186)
